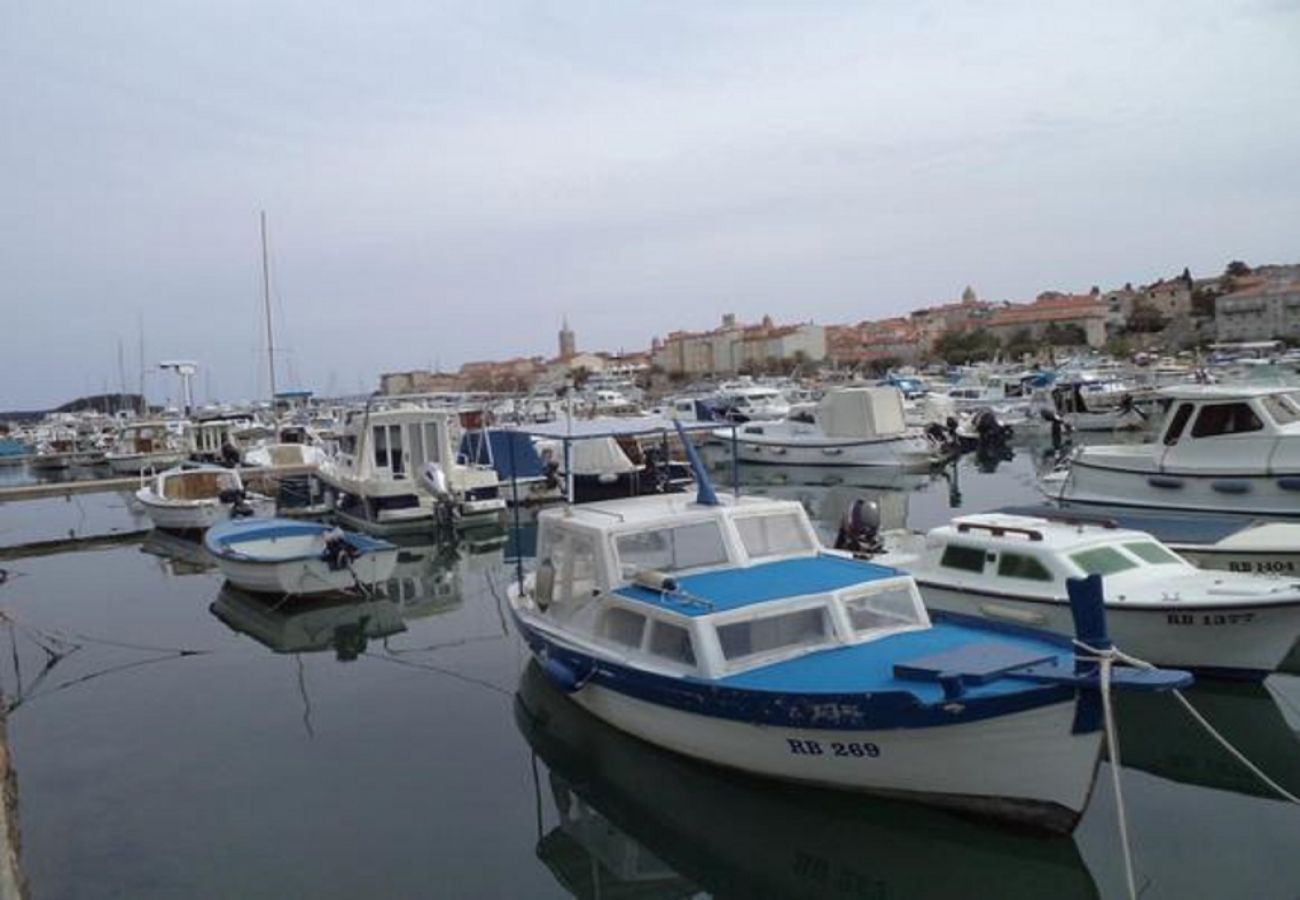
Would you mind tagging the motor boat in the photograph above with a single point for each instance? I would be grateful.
(198, 497)
(1159, 607)
(291, 557)
(144, 446)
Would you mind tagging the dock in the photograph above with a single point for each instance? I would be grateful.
(252, 477)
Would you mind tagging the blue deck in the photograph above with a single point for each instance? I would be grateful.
(711, 592)
(869, 668)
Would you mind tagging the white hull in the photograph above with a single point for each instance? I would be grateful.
(182, 515)
(1027, 764)
(1259, 495)
(135, 463)
(308, 576)
(1237, 559)
(898, 453)
(1242, 637)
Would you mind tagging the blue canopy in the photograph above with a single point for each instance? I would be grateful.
(499, 448)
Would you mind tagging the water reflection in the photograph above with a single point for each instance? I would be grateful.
(339, 623)
(632, 815)
(177, 554)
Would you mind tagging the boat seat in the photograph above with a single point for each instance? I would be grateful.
(193, 486)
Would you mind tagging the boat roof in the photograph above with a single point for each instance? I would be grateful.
(609, 513)
(1225, 391)
(726, 589)
(1030, 531)
(1203, 528)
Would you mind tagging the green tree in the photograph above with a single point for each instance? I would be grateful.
(1070, 334)
(1236, 269)
(1145, 318)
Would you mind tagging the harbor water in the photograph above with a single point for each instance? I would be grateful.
(172, 737)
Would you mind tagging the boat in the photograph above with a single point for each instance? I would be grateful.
(292, 557)
(342, 624)
(718, 627)
(1220, 449)
(851, 427)
(1206, 540)
(602, 459)
(1160, 608)
(634, 820)
(198, 497)
(144, 446)
(396, 472)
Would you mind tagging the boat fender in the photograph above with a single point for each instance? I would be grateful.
(655, 580)
(544, 584)
(563, 675)
(1289, 483)
(1230, 486)
(1164, 481)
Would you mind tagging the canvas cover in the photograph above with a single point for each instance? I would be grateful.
(862, 413)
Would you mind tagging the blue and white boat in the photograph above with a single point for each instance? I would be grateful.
(720, 628)
(286, 556)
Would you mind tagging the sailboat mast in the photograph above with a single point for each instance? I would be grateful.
(266, 296)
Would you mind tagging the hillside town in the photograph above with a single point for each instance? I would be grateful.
(1176, 313)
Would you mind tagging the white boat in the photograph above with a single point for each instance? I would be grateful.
(1220, 449)
(396, 471)
(291, 557)
(719, 628)
(198, 497)
(852, 427)
(344, 625)
(144, 446)
(1159, 607)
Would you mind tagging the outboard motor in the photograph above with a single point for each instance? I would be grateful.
(237, 500)
(338, 553)
(1060, 428)
(860, 529)
(434, 480)
(656, 469)
(230, 455)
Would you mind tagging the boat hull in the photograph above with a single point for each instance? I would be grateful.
(136, 463)
(1239, 640)
(308, 576)
(910, 454)
(1030, 764)
(1275, 496)
(197, 515)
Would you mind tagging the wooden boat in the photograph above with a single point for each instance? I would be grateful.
(198, 497)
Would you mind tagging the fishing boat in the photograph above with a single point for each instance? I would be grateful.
(344, 625)
(719, 628)
(1220, 449)
(1159, 607)
(396, 472)
(198, 497)
(287, 556)
(851, 427)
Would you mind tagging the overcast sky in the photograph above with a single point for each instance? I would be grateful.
(444, 182)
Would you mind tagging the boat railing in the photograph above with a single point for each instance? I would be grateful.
(999, 530)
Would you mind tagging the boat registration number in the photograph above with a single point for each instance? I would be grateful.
(1210, 618)
(1268, 566)
(833, 748)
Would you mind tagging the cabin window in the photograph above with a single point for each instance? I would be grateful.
(1102, 561)
(1225, 418)
(1019, 565)
(804, 628)
(886, 608)
(1177, 424)
(432, 446)
(672, 549)
(574, 558)
(1282, 408)
(622, 626)
(773, 535)
(968, 559)
(672, 642)
(1150, 551)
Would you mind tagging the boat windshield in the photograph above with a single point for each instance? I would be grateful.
(1282, 407)
(776, 534)
(672, 548)
(1102, 561)
(744, 642)
(1150, 551)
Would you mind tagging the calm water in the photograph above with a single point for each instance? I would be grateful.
(174, 739)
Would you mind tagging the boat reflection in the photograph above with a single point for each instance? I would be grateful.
(339, 623)
(429, 578)
(1158, 736)
(635, 820)
(178, 555)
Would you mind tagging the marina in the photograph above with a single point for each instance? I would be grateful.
(305, 705)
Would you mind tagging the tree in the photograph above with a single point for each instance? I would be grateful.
(1020, 343)
(1145, 318)
(1237, 269)
(1203, 302)
(1070, 334)
(958, 347)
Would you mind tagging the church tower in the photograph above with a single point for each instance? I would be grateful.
(568, 342)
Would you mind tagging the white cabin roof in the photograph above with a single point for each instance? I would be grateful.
(1003, 530)
(611, 514)
(1218, 392)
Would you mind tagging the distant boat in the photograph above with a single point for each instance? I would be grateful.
(198, 497)
(286, 556)
(142, 446)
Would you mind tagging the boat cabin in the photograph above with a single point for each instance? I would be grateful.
(1015, 555)
(1214, 428)
(710, 591)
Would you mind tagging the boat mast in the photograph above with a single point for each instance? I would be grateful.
(266, 297)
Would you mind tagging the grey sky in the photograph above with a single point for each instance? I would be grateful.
(445, 181)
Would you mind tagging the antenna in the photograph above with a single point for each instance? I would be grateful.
(704, 494)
